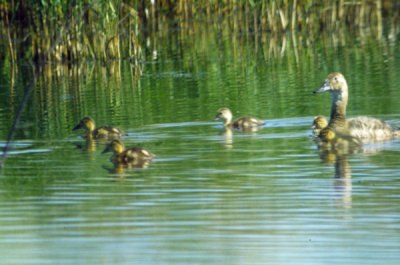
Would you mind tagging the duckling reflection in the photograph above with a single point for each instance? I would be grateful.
(245, 123)
(365, 128)
(228, 139)
(104, 132)
(90, 145)
(319, 123)
(118, 169)
(135, 157)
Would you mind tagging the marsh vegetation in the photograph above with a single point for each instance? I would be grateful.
(61, 30)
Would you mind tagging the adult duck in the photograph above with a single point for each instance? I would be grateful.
(367, 129)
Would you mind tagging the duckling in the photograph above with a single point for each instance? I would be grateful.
(130, 156)
(104, 132)
(319, 123)
(366, 128)
(241, 123)
(330, 140)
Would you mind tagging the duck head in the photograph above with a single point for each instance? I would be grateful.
(115, 146)
(334, 82)
(319, 123)
(327, 135)
(85, 123)
(337, 85)
(224, 114)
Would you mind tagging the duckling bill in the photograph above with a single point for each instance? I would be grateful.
(241, 123)
(104, 132)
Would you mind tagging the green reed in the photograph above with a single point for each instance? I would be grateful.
(109, 29)
(88, 29)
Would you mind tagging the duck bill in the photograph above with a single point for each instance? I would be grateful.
(108, 149)
(325, 87)
(216, 118)
(79, 126)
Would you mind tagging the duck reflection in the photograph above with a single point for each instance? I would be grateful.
(335, 149)
(342, 183)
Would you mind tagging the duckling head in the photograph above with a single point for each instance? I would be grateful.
(85, 123)
(224, 114)
(319, 123)
(334, 82)
(115, 146)
(327, 135)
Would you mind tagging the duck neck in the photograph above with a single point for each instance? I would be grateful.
(338, 111)
(227, 120)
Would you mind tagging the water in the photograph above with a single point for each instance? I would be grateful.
(211, 196)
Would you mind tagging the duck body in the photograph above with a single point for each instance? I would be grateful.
(130, 156)
(365, 128)
(241, 123)
(104, 132)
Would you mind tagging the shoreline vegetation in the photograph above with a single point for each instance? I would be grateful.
(116, 29)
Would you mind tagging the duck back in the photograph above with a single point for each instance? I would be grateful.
(247, 122)
(372, 129)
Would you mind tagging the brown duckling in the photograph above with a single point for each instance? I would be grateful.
(241, 123)
(329, 139)
(319, 123)
(104, 132)
(130, 156)
(365, 128)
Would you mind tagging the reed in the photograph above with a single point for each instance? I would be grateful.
(112, 29)
(95, 29)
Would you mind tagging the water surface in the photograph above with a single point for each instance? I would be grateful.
(211, 196)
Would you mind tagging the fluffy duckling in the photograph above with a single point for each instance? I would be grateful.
(320, 122)
(365, 128)
(331, 140)
(104, 132)
(130, 156)
(241, 123)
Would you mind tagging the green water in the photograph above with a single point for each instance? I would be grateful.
(210, 197)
